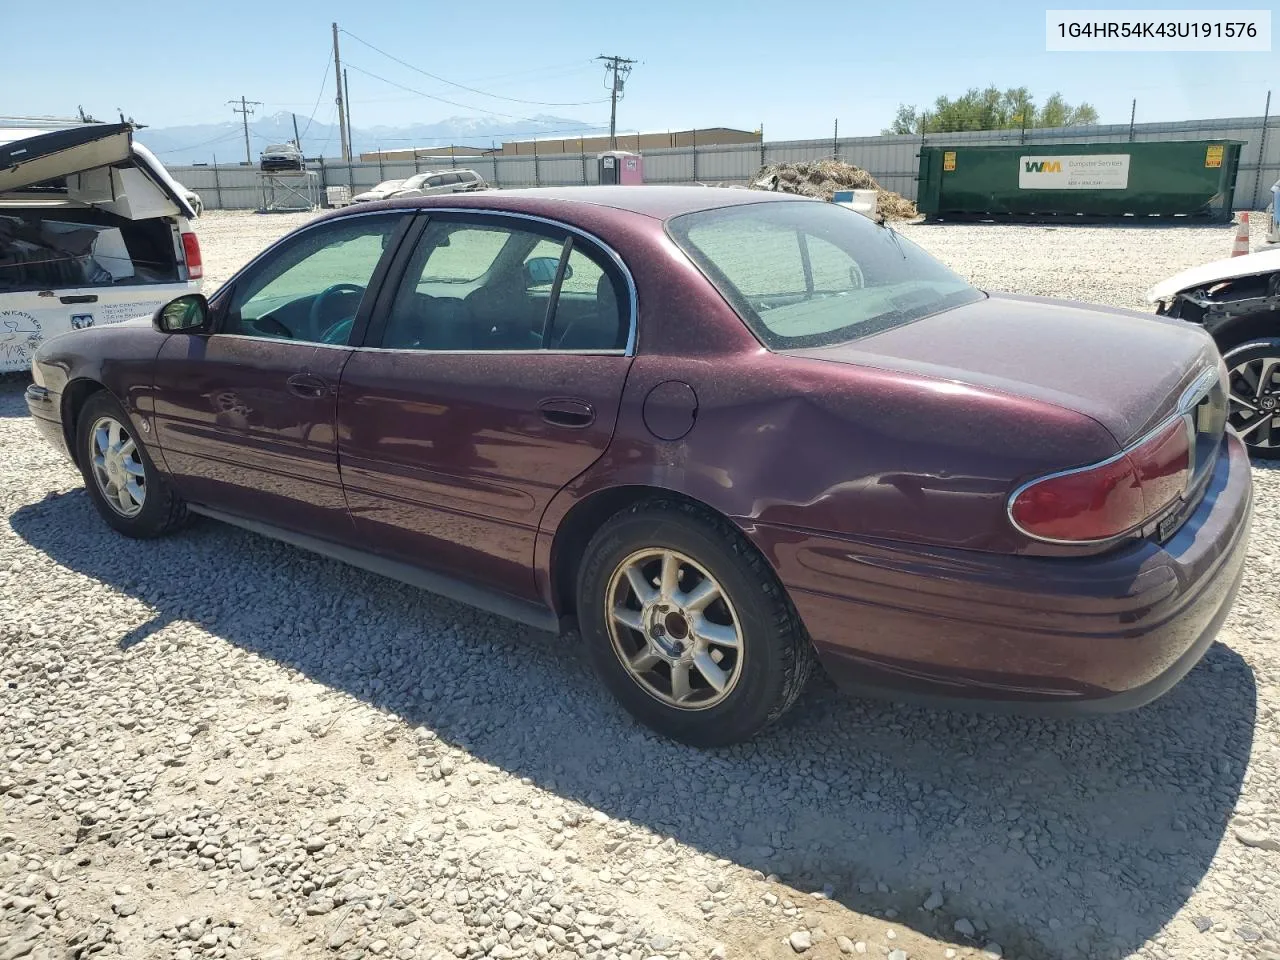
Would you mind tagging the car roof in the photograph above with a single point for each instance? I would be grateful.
(658, 202)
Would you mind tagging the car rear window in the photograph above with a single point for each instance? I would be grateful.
(805, 273)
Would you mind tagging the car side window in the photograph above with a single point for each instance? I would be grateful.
(477, 286)
(311, 289)
(592, 309)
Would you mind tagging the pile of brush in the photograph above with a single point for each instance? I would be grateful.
(823, 178)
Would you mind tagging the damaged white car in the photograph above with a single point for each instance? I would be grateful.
(93, 230)
(1237, 301)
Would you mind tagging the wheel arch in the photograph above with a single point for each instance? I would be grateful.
(580, 524)
(74, 396)
(1241, 330)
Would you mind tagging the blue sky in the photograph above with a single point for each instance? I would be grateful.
(793, 67)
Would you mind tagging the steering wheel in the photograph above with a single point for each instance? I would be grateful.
(316, 316)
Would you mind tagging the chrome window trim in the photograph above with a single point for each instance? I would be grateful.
(1187, 403)
(423, 353)
(633, 299)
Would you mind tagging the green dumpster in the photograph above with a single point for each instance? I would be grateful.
(1170, 178)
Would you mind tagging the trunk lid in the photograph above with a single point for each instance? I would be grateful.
(1124, 369)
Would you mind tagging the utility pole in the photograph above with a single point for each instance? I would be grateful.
(246, 111)
(342, 114)
(617, 69)
(346, 96)
(297, 140)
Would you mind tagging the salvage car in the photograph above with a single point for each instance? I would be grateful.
(1237, 301)
(727, 434)
(280, 156)
(437, 182)
(383, 190)
(93, 230)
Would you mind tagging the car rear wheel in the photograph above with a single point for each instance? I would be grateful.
(121, 480)
(1254, 376)
(688, 626)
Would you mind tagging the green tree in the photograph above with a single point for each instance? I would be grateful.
(990, 109)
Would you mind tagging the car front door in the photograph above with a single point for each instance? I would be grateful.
(245, 417)
(492, 377)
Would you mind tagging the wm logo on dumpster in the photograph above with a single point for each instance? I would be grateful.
(1043, 166)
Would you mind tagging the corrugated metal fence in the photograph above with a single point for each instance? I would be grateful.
(891, 160)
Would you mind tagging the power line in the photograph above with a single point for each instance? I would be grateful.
(463, 86)
(319, 94)
(453, 103)
(246, 111)
(222, 138)
(542, 73)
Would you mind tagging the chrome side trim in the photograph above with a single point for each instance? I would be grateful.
(1187, 403)
(426, 353)
(633, 298)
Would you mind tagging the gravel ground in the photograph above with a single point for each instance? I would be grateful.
(218, 746)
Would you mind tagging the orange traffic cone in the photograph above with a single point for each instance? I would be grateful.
(1241, 244)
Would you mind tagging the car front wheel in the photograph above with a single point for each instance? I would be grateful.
(1254, 375)
(125, 486)
(688, 626)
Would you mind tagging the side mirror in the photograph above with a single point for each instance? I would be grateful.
(186, 314)
(541, 271)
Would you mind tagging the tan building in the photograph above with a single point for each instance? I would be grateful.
(636, 142)
(410, 153)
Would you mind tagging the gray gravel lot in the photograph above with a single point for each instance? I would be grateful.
(218, 746)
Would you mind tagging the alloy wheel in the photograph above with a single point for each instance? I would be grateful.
(1255, 401)
(674, 629)
(117, 467)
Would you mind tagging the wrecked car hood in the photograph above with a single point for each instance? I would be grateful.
(100, 164)
(1264, 261)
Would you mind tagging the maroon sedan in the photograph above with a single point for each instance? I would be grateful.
(728, 433)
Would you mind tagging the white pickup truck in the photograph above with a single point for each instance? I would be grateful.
(93, 230)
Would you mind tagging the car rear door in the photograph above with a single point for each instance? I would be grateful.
(246, 417)
(467, 411)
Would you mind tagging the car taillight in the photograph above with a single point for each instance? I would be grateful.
(191, 248)
(1110, 498)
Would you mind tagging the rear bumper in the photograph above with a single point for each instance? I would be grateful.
(1051, 635)
(44, 408)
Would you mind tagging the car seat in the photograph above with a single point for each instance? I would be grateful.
(604, 328)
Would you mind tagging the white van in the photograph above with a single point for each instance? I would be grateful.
(93, 230)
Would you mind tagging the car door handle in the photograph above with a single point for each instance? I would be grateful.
(567, 412)
(305, 385)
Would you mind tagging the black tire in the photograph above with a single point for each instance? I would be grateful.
(162, 510)
(776, 654)
(1262, 439)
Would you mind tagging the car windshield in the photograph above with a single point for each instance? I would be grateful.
(388, 185)
(414, 182)
(805, 273)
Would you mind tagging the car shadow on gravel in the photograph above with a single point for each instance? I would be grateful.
(1054, 838)
(13, 387)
